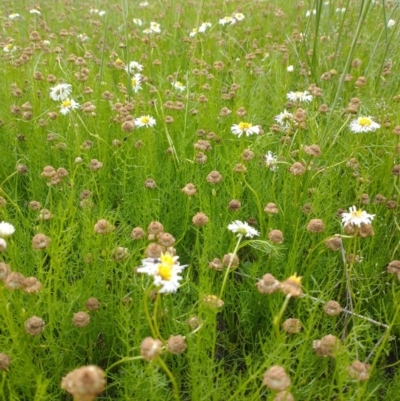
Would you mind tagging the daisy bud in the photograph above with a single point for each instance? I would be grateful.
(276, 236)
(394, 267)
(216, 264)
(14, 281)
(40, 241)
(103, 227)
(200, 219)
(333, 308)
(80, 319)
(176, 344)
(359, 371)
(326, 346)
(5, 270)
(292, 286)
(84, 383)
(155, 228)
(34, 325)
(230, 260)
(283, 396)
(214, 177)
(32, 285)
(297, 169)
(271, 209)
(154, 251)
(150, 348)
(268, 284)
(276, 378)
(315, 226)
(189, 189)
(137, 233)
(5, 361)
(213, 301)
(333, 243)
(234, 205)
(291, 326)
(92, 304)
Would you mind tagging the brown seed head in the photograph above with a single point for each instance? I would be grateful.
(283, 396)
(189, 189)
(216, 264)
(268, 284)
(137, 233)
(315, 226)
(214, 177)
(394, 267)
(234, 205)
(5, 270)
(213, 301)
(200, 219)
(150, 183)
(292, 286)
(155, 227)
(166, 239)
(5, 361)
(154, 250)
(297, 169)
(103, 227)
(276, 236)
(271, 208)
(230, 260)
(14, 281)
(32, 285)
(359, 371)
(92, 304)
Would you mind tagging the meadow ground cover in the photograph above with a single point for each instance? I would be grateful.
(199, 200)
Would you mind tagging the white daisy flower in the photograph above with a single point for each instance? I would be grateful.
(93, 11)
(9, 48)
(6, 229)
(341, 10)
(391, 23)
(311, 12)
(155, 27)
(14, 16)
(299, 96)
(34, 11)
(82, 37)
(242, 229)
(284, 119)
(165, 272)
(244, 128)
(290, 68)
(133, 66)
(143, 4)
(145, 121)
(271, 161)
(203, 27)
(227, 20)
(147, 31)
(136, 81)
(179, 86)
(356, 217)
(101, 13)
(364, 124)
(60, 92)
(193, 33)
(238, 16)
(137, 21)
(67, 105)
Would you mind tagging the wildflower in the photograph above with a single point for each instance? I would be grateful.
(103, 227)
(292, 286)
(200, 219)
(243, 229)
(284, 119)
(60, 92)
(238, 16)
(244, 128)
(68, 105)
(230, 260)
(213, 301)
(289, 68)
(203, 27)
(9, 48)
(40, 241)
(3, 245)
(214, 177)
(271, 208)
(227, 20)
(5, 270)
(6, 229)
(356, 217)
(133, 66)
(143, 4)
(363, 124)
(234, 205)
(84, 383)
(276, 236)
(333, 308)
(193, 33)
(32, 285)
(311, 12)
(299, 96)
(315, 226)
(34, 11)
(276, 378)
(268, 284)
(189, 189)
(101, 13)
(150, 348)
(164, 271)
(271, 161)
(179, 86)
(14, 281)
(138, 21)
(136, 81)
(145, 121)
(391, 23)
(155, 27)
(13, 16)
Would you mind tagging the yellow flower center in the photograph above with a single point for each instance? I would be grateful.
(145, 120)
(119, 61)
(165, 267)
(244, 126)
(134, 83)
(364, 121)
(66, 103)
(357, 213)
(295, 279)
(9, 46)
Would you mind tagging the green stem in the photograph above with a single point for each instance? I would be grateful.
(175, 390)
(147, 313)
(155, 318)
(123, 360)
(228, 269)
(278, 317)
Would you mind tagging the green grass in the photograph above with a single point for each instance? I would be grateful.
(227, 355)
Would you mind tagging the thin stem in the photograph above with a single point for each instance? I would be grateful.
(147, 313)
(123, 360)
(228, 269)
(175, 390)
